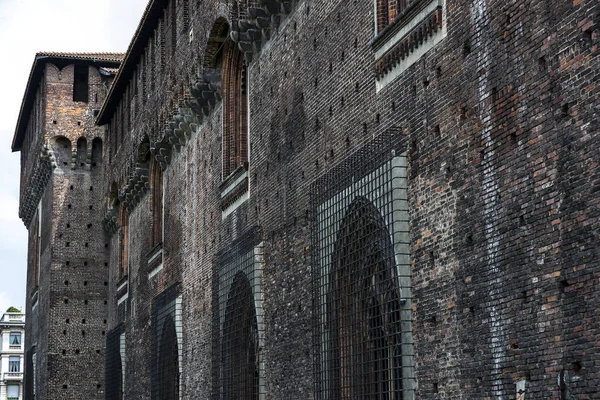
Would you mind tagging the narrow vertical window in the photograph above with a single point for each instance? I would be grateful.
(156, 198)
(80, 83)
(35, 249)
(235, 118)
(123, 240)
(96, 152)
(81, 152)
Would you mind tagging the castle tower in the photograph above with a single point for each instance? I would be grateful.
(61, 164)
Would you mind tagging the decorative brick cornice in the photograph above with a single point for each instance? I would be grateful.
(415, 38)
(111, 221)
(42, 171)
(251, 34)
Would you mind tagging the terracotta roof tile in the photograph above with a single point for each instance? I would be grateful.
(112, 71)
(83, 56)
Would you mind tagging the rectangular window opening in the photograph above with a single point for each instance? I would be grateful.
(80, 83)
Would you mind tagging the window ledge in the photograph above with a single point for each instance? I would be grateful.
(400, 21)
(414, 32)
(234, 190)
(155, 254)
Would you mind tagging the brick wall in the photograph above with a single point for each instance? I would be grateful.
(69, 322)
(499, 125)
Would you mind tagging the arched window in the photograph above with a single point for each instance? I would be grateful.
(235, 108)
(96, 152)
(240, 343)
(156, 199)
(61, 148)
(81, 152)
(224, 58)
(364, 310)
(168, 361)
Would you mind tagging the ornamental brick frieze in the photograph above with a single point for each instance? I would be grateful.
(251, 34)
(135, 189)
(35, 188)
(111, 221)
(415, 38)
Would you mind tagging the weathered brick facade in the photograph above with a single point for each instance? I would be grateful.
(61, 173)
(489, 111)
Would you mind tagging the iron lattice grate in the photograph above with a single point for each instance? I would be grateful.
(363, 333)
(166, 344)
(238, 322)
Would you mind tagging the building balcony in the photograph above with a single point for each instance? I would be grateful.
(13, 376)
(15, 347)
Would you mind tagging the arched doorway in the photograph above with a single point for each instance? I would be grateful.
(363, 310)
(240, 343)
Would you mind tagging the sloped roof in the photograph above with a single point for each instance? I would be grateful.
(107, 60)
(83, 56)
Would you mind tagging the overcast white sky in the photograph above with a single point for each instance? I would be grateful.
(26, 27)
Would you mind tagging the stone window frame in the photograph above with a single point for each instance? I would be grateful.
(12, 397)
(14, 335)
(14, 366)
(403, 39)
(377, 173)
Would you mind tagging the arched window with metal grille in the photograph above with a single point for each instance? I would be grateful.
(364, 320)
(362, 275)
(240, 343)
(235, 109)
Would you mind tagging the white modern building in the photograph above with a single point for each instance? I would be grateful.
(12, 332)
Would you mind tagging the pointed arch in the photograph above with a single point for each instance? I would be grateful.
(240, 343)
(235, 108)
(224, 59)
(364, 316)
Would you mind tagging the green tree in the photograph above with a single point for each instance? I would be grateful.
(13, 309)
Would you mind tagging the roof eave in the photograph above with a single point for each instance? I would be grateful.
(136, 47)
(32, 85)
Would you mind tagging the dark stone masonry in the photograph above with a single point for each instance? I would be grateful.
(318, 199)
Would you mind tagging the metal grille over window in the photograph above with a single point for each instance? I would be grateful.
(115, 364)
(166, 344)
(239, 333)
(363, 332)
